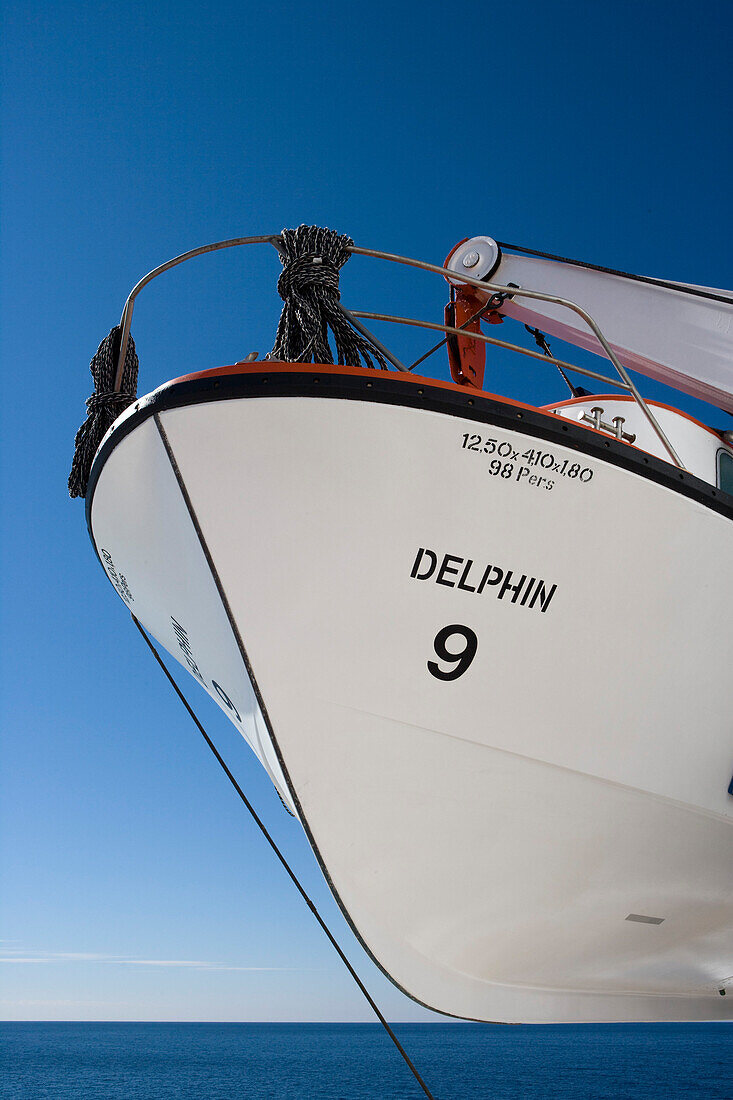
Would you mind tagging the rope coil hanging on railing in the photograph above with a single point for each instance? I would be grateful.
(104, 406)
(312, 258)
(309, 286)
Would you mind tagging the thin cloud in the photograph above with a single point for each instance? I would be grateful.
(17, 956)
(63, 1004)
(30, 959)
(198, 965)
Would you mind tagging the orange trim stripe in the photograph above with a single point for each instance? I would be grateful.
(261, 365)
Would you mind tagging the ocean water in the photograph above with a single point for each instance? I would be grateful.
(97, 1061)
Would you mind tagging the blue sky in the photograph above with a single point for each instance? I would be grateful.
(134, 885)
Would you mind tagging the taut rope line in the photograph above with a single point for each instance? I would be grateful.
(294, 878)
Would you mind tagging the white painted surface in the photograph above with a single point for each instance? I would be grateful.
(488, 836)
(141, 520)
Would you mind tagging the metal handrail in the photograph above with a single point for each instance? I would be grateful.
(495, 288)
(519, 292)
(490, 340)
(126, 318)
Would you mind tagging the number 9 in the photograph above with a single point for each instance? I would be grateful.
(462, 659)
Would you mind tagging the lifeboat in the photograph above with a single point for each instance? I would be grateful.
(482, 648)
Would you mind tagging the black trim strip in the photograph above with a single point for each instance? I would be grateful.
(386, 388)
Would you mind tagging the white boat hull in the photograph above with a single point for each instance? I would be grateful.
(546, 837)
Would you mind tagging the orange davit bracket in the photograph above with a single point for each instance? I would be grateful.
(466, 357)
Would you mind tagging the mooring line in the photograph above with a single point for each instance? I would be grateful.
(296, 882)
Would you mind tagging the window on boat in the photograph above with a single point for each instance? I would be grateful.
(725, 472)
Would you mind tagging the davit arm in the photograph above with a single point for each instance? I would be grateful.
(677, 333)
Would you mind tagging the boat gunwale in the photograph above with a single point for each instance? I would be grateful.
(270, 379)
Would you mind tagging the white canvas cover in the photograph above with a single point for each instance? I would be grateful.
(679, 334)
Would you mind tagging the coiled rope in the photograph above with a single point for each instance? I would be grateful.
(312, 258)
(104, 406)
